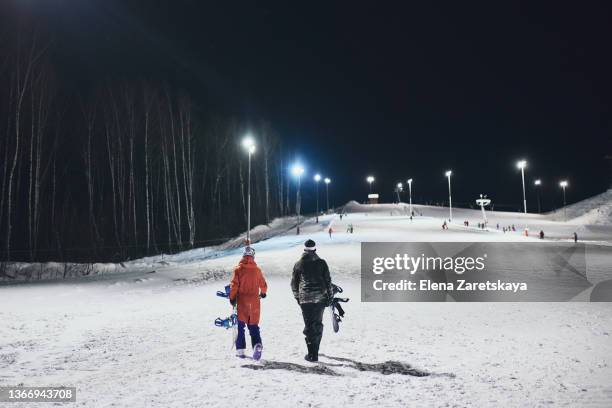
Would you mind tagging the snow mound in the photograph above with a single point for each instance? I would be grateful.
(22, 271)
(596, 210)
(393, 209)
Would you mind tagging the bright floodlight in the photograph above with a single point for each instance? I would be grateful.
(327, 180)
(563, 183)
(521, 164)
(448, 173)
(297, 170)
(400, 185)
(409, 181)
(317, 177)
(249, 144)
(537, 182)
(370, 179)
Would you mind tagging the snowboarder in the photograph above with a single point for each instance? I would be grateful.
(247, 287)
(541, 234)
(312, 289)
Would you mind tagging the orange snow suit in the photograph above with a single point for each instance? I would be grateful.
(247, 283)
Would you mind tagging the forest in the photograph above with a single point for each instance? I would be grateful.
(127, 169)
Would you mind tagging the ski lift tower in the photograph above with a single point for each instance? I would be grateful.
(482, 202)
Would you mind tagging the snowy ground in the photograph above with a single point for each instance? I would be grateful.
(146, 338)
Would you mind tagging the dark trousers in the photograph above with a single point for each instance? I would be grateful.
(253, 332)
(313, 322)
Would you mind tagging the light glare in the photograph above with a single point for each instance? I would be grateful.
(248, 143)
(297, 170)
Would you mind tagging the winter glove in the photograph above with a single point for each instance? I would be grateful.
(233, 302)
(262, 295)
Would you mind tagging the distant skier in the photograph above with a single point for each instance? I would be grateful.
(444, 225)
(330, 230)
(248, 286)
(575, 237)
(312, 289)
(541, 234)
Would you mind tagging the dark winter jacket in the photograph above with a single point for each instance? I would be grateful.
(311, 282)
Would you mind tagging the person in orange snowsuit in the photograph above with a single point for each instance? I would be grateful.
(247, 288)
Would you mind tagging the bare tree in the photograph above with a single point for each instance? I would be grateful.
(25, 63)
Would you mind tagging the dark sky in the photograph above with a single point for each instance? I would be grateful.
(397, 91)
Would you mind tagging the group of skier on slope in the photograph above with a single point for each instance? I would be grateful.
(312, 289)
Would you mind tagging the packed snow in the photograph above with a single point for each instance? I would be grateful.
(595, 211)
(143, 335)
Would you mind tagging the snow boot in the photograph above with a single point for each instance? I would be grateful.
(240, 353)
(257, 351)
(313, 352)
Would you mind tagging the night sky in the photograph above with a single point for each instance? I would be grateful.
(395, 91)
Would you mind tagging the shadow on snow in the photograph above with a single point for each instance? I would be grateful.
(280, 365)
(386, 368)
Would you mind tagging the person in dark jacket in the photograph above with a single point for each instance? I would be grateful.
(312, 289)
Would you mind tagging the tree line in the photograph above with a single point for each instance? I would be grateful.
(130, 168)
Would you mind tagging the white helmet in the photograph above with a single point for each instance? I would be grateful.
(249, 251)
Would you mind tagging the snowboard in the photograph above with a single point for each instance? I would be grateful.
(336, 311)
(334, 317)
(230, 322)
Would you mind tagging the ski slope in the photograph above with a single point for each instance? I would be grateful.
(596, 210)
(145, 338)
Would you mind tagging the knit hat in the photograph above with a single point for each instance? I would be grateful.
(249, 251)
(310, 245)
